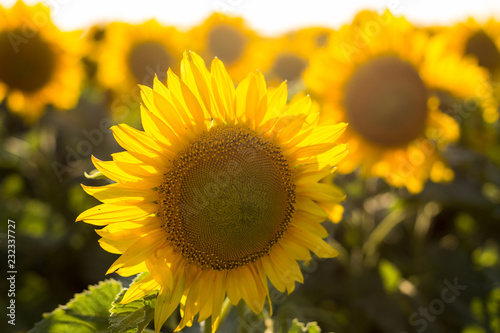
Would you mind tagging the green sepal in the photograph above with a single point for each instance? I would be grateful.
(95, 174)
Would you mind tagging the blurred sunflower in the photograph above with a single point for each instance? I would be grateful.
(482, 42)
(221, 191)
(229, 39)
(384, 77)
(289, 54)
(133, 54)
(93, 40)
(40, 64)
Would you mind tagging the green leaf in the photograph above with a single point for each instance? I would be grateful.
(390, 275)
(298, 327)
(134, 316)
(86, 312)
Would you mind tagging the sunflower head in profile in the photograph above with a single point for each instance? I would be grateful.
(223, 190)
(385, 78)
(232, 41)
(39, 63)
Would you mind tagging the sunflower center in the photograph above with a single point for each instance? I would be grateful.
(25, 64)
(481, 46)
(321, 39)
(227, 199)
(386, 101)
(226, 43)
(289, 66)
(148, 58)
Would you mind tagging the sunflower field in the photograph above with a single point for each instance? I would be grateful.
(157, 178)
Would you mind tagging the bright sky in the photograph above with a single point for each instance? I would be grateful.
(266, 16)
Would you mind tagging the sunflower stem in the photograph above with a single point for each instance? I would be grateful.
(207, 325)
(226, 308)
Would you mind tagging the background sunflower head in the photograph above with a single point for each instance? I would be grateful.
(40, 63)
(231, 40)
(386, 78)
(288, 55)
(134, 54)
(478, 41)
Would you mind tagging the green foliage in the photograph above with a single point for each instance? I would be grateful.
(134, 316)
(100, 310)
(88, 312)
(298, 327)
(390, 274)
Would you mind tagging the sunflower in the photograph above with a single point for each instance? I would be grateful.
(40, 65)
(384, 78)
(232, 41)
(93, 40)
(223, 190)
(133, 54)
(482, 42)
(289, 54)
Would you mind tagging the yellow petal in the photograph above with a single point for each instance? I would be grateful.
(325, 134)
(140, 289)
(139, 251)
(160, 131)
(251, 101)
(312, 242)
(193, 104)
(132, 270)
(291, 129)
(276, 103)
(241, 97)
(160, 271)
(120, 194)
(169, 112)
(153, 161)
(110, 170)
(218, 299)
(310, 222)
(297, 251)
(321, 192)
(106, 213)
(117, 247)
(313, 150)
(281, 269)
(302, 106)
(137, 141)
(196, 76)
(310, 206)
(332, 157)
